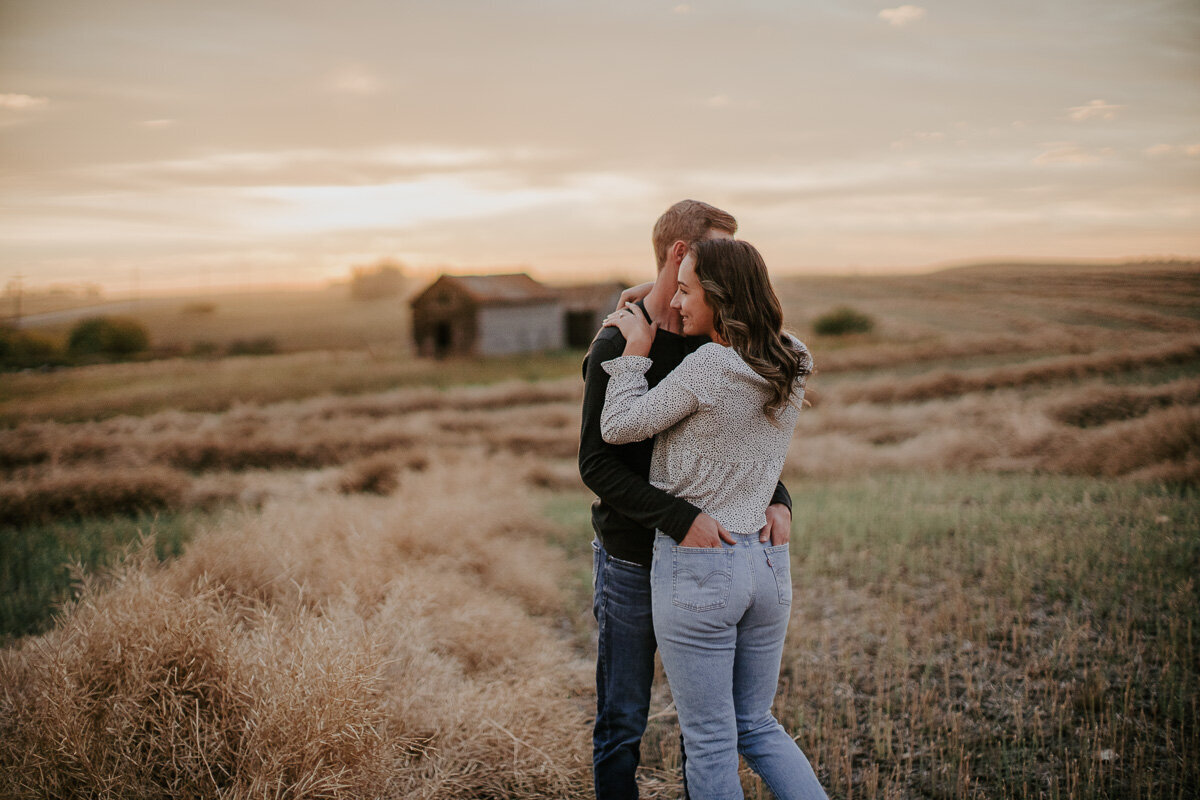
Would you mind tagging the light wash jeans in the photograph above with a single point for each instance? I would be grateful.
(720, 615)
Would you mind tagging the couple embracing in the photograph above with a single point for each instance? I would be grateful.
(691, 396)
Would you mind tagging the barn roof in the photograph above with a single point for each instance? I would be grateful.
(512, 289)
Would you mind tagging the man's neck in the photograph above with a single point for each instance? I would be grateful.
(658, 302)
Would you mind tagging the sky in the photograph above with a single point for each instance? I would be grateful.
(154, 144)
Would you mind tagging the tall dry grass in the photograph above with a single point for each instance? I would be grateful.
(1045, 339)
(89, 493)
(1098, 406)
(106, 391)
(1169, 435)
(341, 647)
(949, 384)
(998, 418)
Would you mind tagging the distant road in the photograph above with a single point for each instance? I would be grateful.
(73, 314)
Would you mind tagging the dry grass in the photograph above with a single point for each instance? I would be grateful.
(950, 384)
(1170, 435)
(1086, 409)
(382, 611)
(104, 391)
(876, 356)
(338, 648)
(975, 639)
(90, 492)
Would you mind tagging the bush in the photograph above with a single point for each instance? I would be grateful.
(111, 337)
(372, 283)
(23, 349)
(843, 320)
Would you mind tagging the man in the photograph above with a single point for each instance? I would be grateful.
(628, 510)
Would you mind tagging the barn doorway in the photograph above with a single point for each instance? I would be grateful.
(443, 339)
(581, 328)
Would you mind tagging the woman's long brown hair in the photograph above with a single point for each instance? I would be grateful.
(748, 315)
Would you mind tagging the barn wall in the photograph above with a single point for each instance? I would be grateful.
(520, 329)
(447, 309)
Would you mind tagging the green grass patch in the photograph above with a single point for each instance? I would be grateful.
(37, 561)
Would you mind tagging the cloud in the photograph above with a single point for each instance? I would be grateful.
(355, 79)
(902, 15)
(320, 166)
(22, 101)
(428, 199)
(717, 101)
(158, 123)
(682, 8)
(1071, 153)
(1095, 109)
(1161, 150)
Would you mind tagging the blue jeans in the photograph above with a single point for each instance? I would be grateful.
(720, 616)
(624, 672)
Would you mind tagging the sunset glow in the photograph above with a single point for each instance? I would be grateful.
(288, 141)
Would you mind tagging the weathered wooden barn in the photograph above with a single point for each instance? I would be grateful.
(488, 315)
(584, 307)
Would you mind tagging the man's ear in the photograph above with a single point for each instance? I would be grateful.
(679, 250)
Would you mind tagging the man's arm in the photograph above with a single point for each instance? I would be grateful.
(604, 473)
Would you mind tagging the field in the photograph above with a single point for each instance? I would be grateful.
(348, 573)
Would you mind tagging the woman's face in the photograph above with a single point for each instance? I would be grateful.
(690, 302)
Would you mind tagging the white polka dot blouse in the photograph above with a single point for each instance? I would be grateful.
(714, 445)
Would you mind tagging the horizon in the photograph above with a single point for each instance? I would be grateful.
(150, 148)
(423, 278)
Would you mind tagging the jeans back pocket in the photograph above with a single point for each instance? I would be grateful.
(701, 577)
(780, 560)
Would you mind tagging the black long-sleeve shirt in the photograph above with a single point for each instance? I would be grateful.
(628, 508)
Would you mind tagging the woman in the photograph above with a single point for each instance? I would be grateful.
(723, 420)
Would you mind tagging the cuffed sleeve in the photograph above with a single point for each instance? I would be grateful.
(631, 412)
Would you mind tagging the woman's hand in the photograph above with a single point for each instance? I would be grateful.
(638, 333)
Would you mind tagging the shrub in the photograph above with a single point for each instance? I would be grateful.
(24, 349)
(843, 320)
(112, 337)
